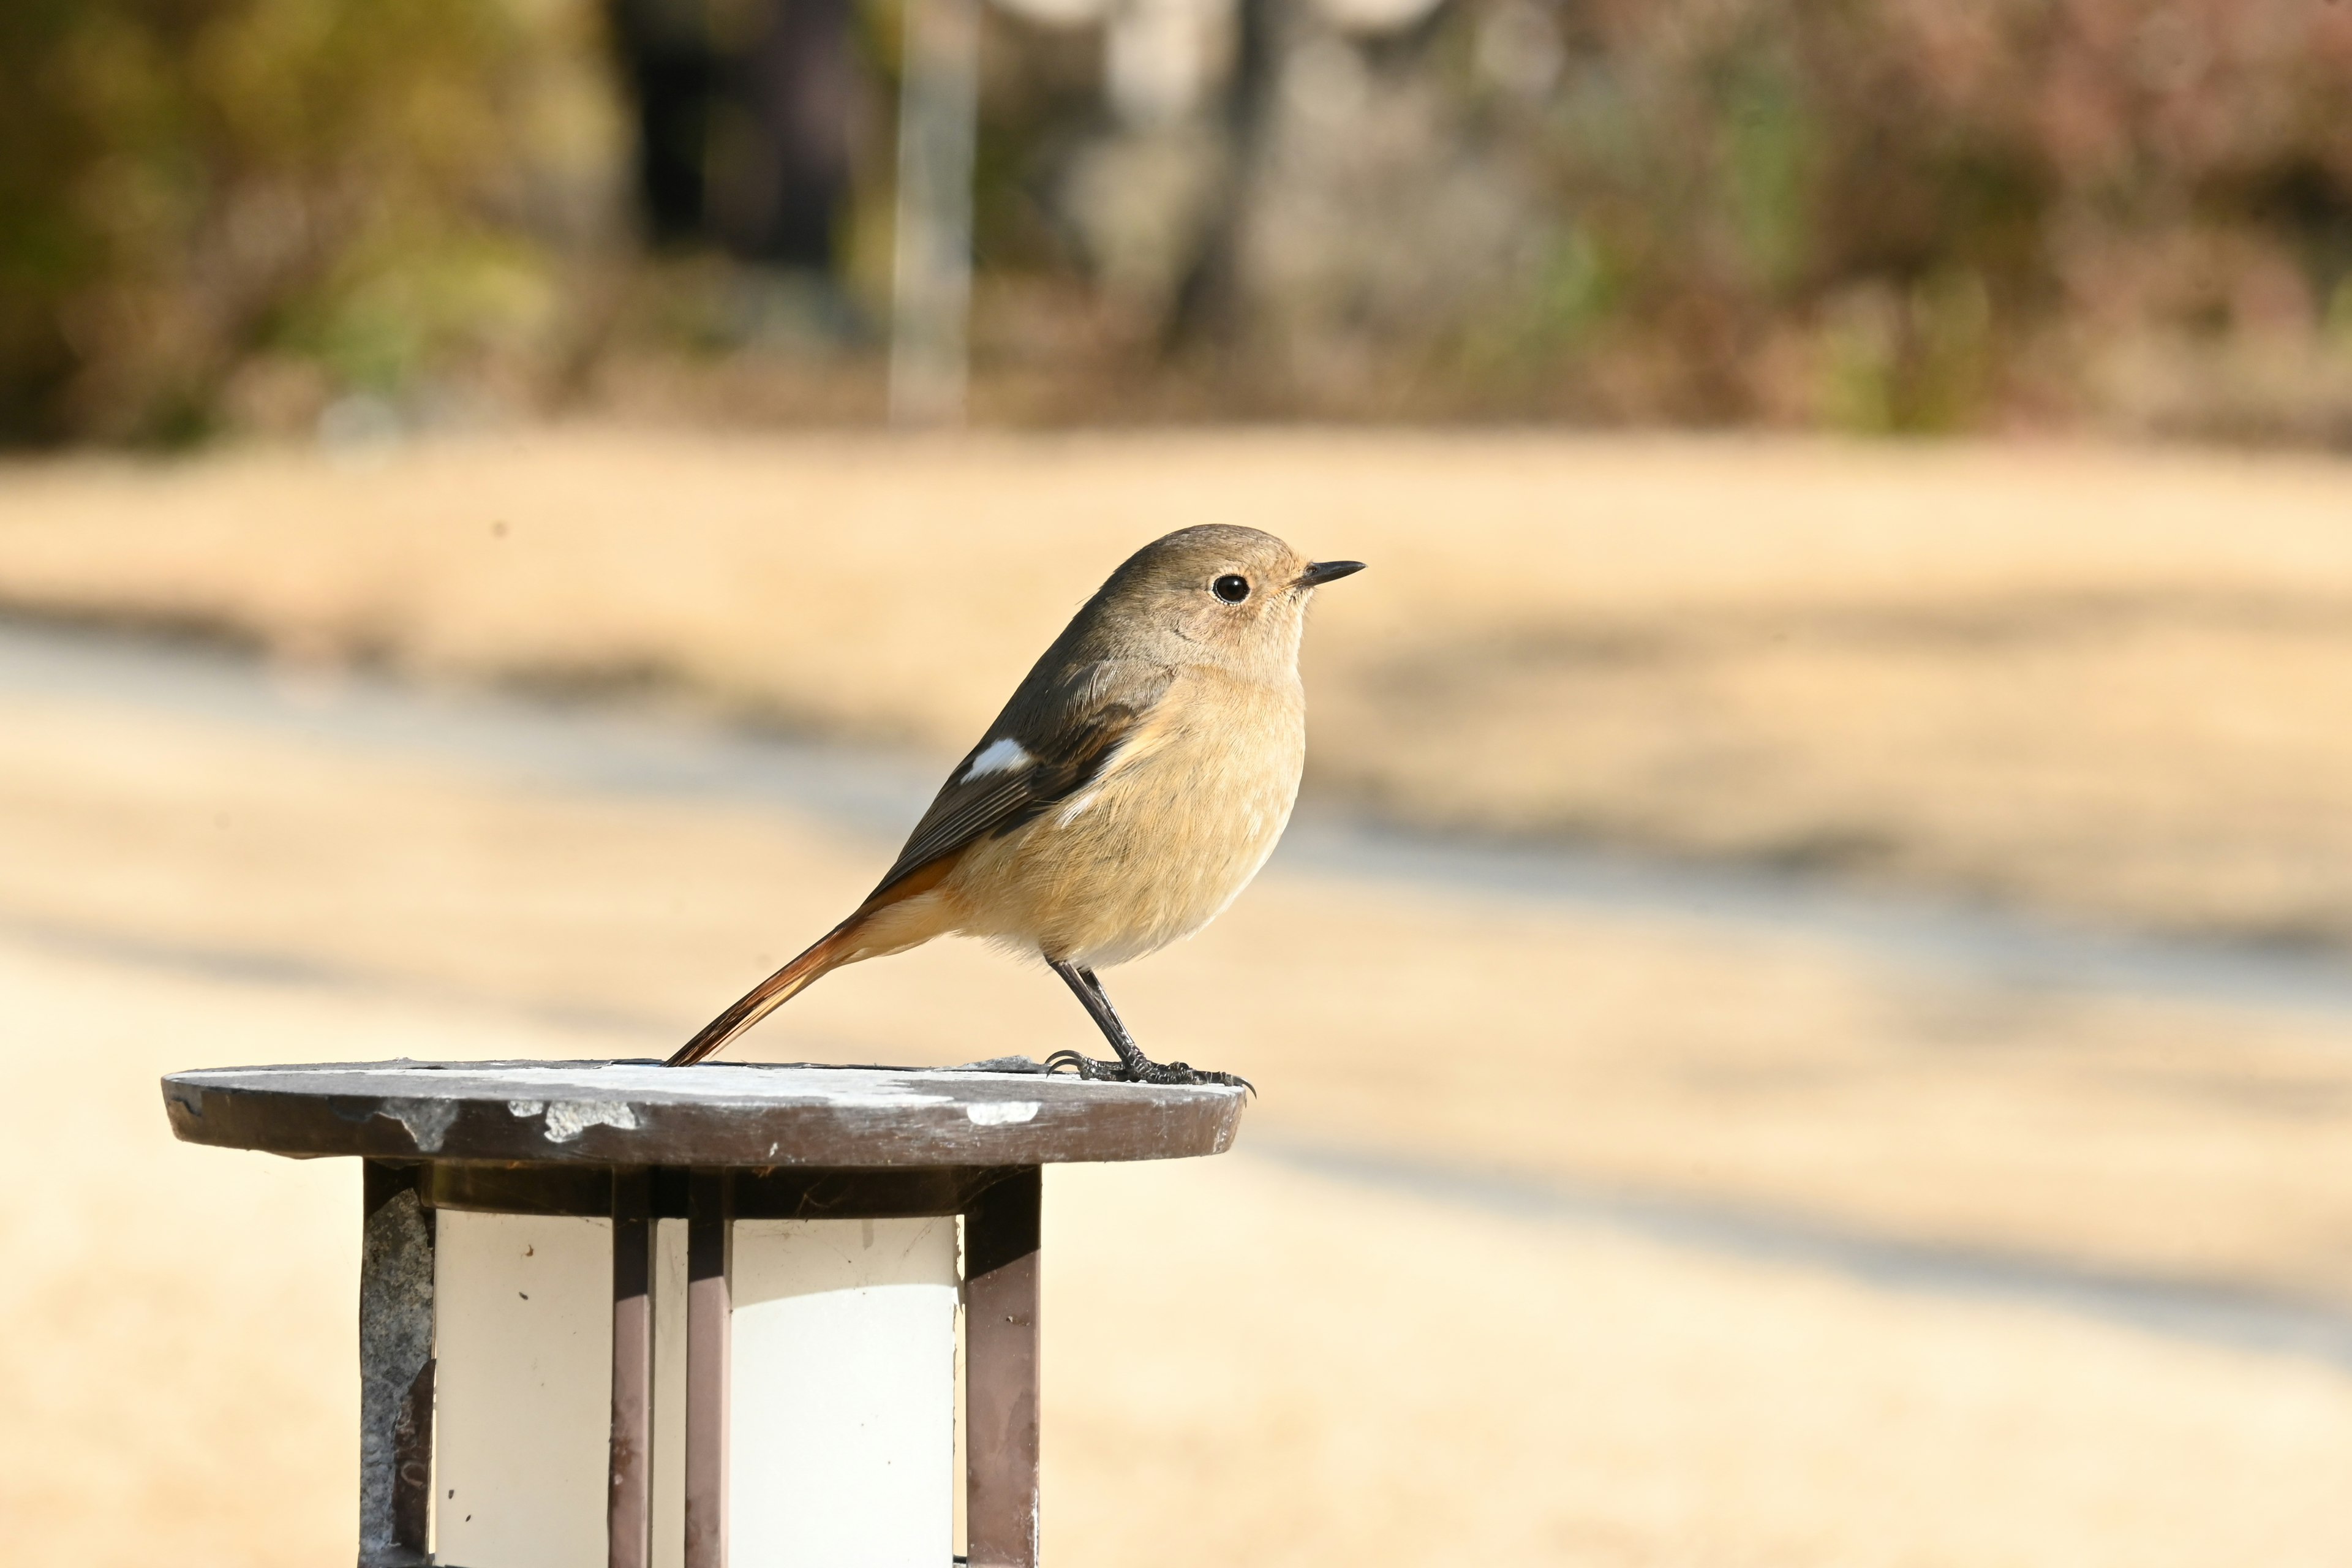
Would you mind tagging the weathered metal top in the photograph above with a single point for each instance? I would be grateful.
(641, 1113)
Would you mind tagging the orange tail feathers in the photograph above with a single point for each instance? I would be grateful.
(837, 947)
(831, 952)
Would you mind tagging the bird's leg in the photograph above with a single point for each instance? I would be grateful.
(1089, 993)
(1133, 1066)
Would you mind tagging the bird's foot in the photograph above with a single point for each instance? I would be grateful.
(1144, 1070)
(1185, 1073)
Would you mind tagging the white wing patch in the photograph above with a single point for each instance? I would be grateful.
(1003, 756)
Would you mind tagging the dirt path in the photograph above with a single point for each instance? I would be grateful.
(2099, 681)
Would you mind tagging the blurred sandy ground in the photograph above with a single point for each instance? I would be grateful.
(1249, 1362)
(2103, 680)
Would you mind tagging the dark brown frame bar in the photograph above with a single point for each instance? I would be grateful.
(709, 1235)
(1001, 1371)
(1001, 1208)
(629, 1501)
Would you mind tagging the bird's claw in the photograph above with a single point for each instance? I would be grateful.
(1185, 1073)
(1181, 1073)
(1086, 1066)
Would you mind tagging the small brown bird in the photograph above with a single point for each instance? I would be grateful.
(1130, 791)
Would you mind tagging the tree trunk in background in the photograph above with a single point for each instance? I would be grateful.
(666, 64)
(780, 171)
(742, 141)
(931, 299)
(1209, 305)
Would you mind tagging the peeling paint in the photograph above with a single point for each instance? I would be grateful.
(427, 1122)
(1003, 1112)
(567, 1119)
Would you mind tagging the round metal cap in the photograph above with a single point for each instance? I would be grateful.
(642, 1113)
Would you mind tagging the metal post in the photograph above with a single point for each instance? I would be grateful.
(629, 1501)
(939, 98)
(1000, 1241)
(396, 1367)
(708, 1306)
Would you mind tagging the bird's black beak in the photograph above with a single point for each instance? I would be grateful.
(1321, 571)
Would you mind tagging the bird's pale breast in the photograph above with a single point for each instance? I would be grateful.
(1173, 828)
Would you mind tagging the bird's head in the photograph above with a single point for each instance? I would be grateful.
(1216, 593)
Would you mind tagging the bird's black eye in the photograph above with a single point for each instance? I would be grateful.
(1232, 587)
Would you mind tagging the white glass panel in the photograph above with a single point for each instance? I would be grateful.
(842, 1390)
(522, 1338)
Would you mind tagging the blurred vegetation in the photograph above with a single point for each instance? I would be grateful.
(1917, 214)
(1869, 214)
(220, 208)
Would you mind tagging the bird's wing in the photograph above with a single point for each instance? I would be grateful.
(1050, 742)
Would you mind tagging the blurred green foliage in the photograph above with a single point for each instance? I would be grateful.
(203, 200)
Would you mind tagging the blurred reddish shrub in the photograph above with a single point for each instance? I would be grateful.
(1916, 213)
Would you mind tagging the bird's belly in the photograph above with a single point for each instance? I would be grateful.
(1152, 852)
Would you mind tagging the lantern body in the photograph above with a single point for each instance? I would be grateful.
(613, 1313)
